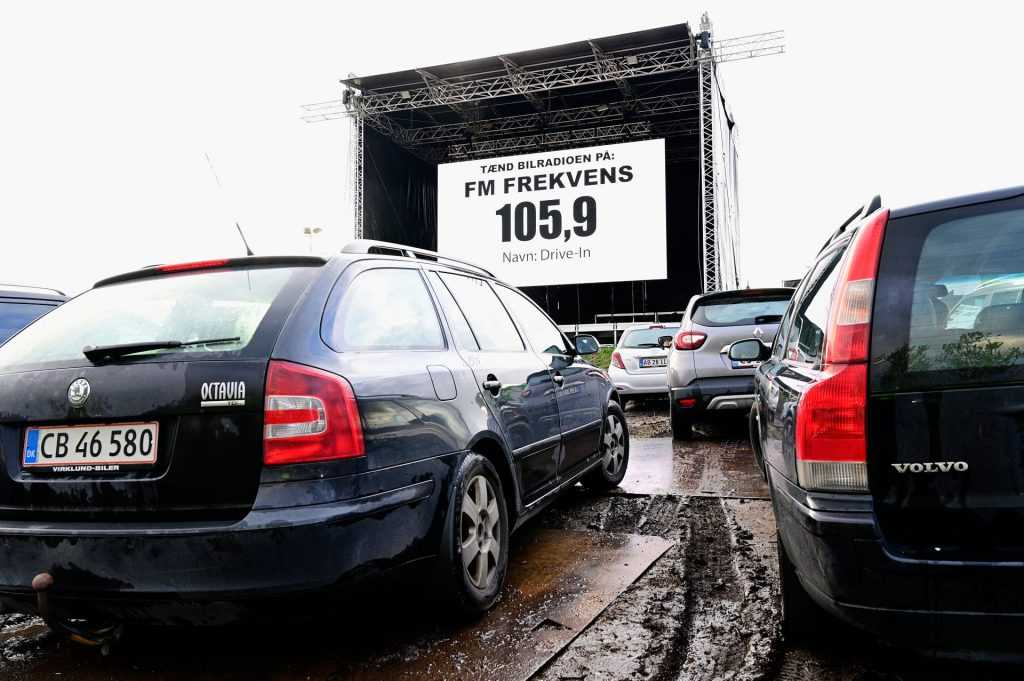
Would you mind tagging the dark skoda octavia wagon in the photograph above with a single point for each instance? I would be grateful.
(224, 431)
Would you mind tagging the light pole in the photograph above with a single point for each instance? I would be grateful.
(311, 232)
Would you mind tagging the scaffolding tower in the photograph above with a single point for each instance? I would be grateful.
(439, 116)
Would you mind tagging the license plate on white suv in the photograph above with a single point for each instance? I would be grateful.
(651, 362)
(90, 449)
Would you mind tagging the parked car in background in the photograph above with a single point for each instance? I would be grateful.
(890, 429)
(701, 378)
(639, 363)
(22, 305)
(271, 426)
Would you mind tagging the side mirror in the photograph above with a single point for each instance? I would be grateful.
(665, 342)
(750, 350)
(586, 344)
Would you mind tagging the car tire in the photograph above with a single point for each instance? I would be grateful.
(802, 619)
(755, 442)
(614, 451)
(473, 563)
(682, 424)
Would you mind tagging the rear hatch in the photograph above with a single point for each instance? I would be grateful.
(641, 351)
(946, 409)
(732, 316)
(132, 433)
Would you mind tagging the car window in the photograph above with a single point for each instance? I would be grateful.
(958, 319)
(779, 345)
(487, 317)
(1005, 297)
(740, 312)
(186, 307)
(543, 335)
(464, 337)
(646, 338)
(386, 309)
(16, 316)
(807, 335)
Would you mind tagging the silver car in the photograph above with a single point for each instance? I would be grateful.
(701, 377)
(639, 362)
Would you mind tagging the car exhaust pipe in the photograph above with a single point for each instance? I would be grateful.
(79, 631)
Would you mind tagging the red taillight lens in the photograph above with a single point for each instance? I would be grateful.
(831, 422)
(690, 340)
(198, 265)
(849, 327)
(831, 434)
(310, 415)
(617, 360)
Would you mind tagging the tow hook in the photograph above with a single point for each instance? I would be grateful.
(79, 631)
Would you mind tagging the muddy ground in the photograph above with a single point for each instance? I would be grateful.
(672, 576)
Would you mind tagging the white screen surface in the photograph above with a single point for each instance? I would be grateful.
(572, 216)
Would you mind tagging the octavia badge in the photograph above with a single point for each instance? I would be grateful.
(78, 393)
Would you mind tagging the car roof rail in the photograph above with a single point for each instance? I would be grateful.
(23, 287)
(867, 209)
(365, 246)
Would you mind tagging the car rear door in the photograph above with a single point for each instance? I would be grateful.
(196, 412)
(946, 405)
(796, 361)
(516, 385)
(579, 386)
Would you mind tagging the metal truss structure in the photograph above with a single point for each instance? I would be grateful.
(417, 117)
(709, 236)
(357, 170)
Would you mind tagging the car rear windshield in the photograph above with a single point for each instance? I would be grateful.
(646, 338)
(959, 319)
(187, 307)
(16, 316)
(741, 311)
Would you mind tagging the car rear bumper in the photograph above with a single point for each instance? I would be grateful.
(636, 385)
(959, 610)
(727, 393)
(158, 571)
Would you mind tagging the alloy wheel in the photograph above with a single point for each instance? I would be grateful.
(481, 532)
(613, 445)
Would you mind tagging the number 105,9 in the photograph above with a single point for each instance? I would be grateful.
(527, 217)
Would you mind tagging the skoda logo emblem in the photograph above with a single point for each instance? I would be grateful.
(78, 393)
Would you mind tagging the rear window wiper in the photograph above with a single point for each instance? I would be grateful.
(99, 352)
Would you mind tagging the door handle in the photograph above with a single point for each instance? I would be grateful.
(558, 379)
(492, 385)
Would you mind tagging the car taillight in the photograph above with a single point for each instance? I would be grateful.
(690, 340)
(849, 324)
(309, 415)
(617, 360)
(189, 266)
(831, 422)
(831, 443)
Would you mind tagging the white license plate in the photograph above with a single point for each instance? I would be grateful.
(650, 362)
(90, 449)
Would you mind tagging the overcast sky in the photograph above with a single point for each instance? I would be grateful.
(107, 111)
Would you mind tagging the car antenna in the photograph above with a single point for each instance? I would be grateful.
(216, 178)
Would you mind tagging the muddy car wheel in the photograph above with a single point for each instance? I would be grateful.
(474, 559)
(802, 619)
(614, 451)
